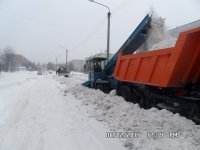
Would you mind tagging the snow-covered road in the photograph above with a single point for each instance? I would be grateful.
(49, 112)
(35, 114)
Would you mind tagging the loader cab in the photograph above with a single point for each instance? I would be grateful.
(95, 67)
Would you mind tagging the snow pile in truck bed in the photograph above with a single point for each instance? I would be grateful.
(168, 42)
(120, 115)
(159, 36)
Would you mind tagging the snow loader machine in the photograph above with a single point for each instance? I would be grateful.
(166, 78)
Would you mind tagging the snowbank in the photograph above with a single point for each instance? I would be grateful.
(120, 115)
(8, 79)
(79, 75)
(123, 116)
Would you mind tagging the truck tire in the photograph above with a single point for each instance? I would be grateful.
(100, 87)
(135, 96)
(141, 98)
(125, 92)
(196, 114)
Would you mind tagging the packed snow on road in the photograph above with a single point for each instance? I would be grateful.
(49, 112)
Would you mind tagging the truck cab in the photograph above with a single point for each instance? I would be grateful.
(104, 79)
(95, 68)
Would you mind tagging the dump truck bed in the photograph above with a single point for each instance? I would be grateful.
(170, 67)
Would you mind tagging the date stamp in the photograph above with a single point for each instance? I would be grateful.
(123, 135)
(149, 135)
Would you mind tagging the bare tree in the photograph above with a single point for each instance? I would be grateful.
(38, 66)
(0, 61)
(50, 66)
(8, 59)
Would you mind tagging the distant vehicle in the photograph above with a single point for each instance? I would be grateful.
(39, 72)
(50, 71)
(62, 71)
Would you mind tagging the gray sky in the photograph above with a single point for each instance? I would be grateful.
(36, 28)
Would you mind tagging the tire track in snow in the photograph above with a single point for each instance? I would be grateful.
(46, 120)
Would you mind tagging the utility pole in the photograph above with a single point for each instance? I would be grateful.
(56, 62)
(66, 54)
(108, 37)
(108, 31)
(66, 58)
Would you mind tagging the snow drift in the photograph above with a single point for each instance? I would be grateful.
(123, 116)
(120, 115)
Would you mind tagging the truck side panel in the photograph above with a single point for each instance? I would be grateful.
(170, 67)
(187, 68)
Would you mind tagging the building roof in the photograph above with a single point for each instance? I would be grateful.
(175, 32)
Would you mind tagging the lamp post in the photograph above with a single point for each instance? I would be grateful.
(66, 53)
(56, 62)
(108, 31)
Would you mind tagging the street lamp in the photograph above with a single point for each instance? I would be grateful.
(56, 62)
(66, 53)
(108, 32)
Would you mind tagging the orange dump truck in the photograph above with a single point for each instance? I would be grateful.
(170, 67)
(167, 78)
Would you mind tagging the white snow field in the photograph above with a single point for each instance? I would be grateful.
(49, 112)
(35, 114)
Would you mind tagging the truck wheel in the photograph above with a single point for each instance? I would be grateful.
(100, 87)
(196, 114)
(141, 98)
(125, 92)
(135, 96)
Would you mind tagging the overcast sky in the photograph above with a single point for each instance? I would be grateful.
(36, 28)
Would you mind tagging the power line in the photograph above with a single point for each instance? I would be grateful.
(120, 7)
